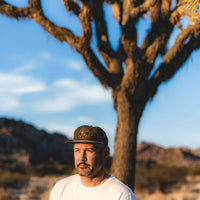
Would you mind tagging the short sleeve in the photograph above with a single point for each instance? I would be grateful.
(54, 193)
(129, 195)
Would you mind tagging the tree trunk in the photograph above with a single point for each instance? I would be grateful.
(124, 159)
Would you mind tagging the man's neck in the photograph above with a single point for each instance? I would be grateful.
(93, 182)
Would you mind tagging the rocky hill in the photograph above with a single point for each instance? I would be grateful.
(169, 156)
(23, 143)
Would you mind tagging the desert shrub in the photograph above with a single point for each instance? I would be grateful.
(37, 190)
(49, 169)
(53, 168)
(168, 177)
(13, 180)
(194, 171)
(152, 176)
(6, 196)
(12, 167)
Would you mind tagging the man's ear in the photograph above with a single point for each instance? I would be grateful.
(107, 152)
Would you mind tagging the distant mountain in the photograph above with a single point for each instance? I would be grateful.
(168, 156)
(23, 143)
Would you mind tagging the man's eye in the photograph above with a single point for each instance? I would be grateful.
(76, 150)
(90, 150)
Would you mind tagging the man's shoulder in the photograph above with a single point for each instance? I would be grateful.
(116, 182)
(119, 187)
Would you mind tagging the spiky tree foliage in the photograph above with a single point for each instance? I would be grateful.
(193, 5)
(128, 71)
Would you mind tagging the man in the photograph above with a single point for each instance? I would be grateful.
(92, 182)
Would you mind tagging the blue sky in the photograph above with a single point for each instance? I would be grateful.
(47, 84)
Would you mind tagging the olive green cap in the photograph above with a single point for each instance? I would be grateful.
(90, 135)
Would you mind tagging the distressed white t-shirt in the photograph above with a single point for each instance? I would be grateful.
(71, 188)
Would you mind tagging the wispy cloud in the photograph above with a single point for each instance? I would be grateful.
(75, 65)
(13, 86)
(67, 83)
(68, 93)
(8, 101)
(85, 119)
(33, 63)
(68, 130)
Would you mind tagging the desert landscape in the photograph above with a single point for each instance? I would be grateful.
(32, 160)
(40, 187)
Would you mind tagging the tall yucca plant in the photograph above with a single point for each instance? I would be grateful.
(130, 71)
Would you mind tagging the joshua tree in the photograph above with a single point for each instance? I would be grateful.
(130, 70)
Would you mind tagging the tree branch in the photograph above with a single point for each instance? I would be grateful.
(97, 68)
(34, 11)
(129, 40)
(173, 18)
(101, 29)
(129, 34)
(140, 10)
(60, 33)
(152, 52)
(12, 11)
(188, 32)
(71, 5)
(191, 16)
(157, 38)
(176, 56)
(112, 60)
(80, 44)
(85, 18)
(166, 4)
(182, 10)
(157, 25)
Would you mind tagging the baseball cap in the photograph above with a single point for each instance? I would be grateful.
(90, 135)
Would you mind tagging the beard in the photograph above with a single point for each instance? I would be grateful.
(86, 170)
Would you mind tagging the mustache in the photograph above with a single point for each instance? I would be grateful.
(83, 163)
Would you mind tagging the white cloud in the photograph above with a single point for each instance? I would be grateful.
(68, 130)
(33, 63)
(69, 93)
(19, 84)
(13, 86)
(75, 65)
(8, 102)
(68, 83)
(37, 87)
(45, 55)
(84, 119)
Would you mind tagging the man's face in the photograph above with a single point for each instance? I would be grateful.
(89, 160)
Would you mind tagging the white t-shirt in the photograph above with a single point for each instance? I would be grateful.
(71, 188)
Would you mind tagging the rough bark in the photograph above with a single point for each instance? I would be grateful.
(124, 159)
(133, 85)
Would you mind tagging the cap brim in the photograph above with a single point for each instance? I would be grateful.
(84, 141)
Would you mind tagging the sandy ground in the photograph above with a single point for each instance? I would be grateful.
(40, 187)
(190, 190)
(37, 189)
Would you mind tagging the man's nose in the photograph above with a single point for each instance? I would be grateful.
(83, 156)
